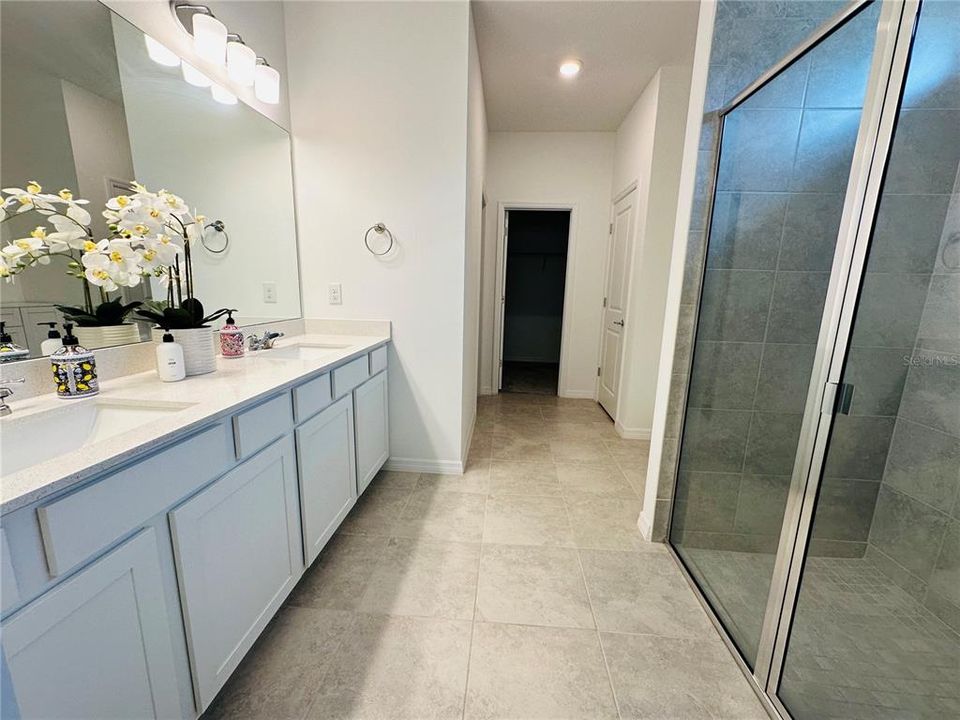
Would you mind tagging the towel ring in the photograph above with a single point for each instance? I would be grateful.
(218, 227)
(380, 229)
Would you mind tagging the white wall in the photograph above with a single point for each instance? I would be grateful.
(649, 149)
(259, 22)
(476, 170)
(379, 119)
(563, 168)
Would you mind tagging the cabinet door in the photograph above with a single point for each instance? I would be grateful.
(328, 474)
(238, 555)
(373, 437)
(98, 645)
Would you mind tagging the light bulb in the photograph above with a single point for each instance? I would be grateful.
(222, 95)
(241, 63)
(209, 38)
(570, 68)
(267, 85)
(194, 76)
(161, 54)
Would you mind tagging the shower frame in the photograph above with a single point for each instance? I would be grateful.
(884, 90)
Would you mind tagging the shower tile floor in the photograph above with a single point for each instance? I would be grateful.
(863, 647)
(521, 589)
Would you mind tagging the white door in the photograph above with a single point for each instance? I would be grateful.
(328, 475)
(238, 554)
(372, 428)
(97, 645)
(615, 300)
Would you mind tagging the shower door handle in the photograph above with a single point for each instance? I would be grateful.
(844, 398)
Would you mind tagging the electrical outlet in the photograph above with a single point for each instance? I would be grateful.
(336, 294)
(269, 292)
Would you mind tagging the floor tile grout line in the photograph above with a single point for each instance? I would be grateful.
(596, 624)
(473, 621)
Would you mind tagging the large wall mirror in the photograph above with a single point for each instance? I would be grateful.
(87, 109)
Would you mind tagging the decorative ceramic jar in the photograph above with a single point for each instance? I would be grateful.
(199, 352)
(102, 336)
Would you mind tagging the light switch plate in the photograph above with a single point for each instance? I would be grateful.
(269, 292)
(336, 294)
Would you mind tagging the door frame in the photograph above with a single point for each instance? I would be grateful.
(499, 298)
(887, 77)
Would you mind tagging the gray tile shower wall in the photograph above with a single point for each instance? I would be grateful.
(748, 37)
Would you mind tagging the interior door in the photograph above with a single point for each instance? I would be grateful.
(615, 300)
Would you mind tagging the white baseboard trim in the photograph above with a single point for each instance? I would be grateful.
(487, 390)
(632, 433)
(422, 465)
(577, 394)
(646, 525)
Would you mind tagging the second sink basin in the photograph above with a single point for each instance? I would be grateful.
(302, 351)
(37, 437)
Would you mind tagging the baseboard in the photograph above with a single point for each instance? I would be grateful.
(422, 465)
(465, 450)
(632, 433)
(487, 390)
(646, 526)
(577, 394)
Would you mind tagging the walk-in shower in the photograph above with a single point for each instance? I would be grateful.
(817, 499)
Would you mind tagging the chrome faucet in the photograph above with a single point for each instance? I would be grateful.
(263, 343)
(6, 392)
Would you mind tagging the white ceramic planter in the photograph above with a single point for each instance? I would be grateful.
(107, 335)
(199, 353)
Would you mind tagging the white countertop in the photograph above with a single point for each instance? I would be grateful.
(236, 382)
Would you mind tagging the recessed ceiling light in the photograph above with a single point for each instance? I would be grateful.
(570, 68)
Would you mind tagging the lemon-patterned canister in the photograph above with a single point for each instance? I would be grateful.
(74, 368)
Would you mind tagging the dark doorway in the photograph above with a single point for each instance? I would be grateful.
(536, 271)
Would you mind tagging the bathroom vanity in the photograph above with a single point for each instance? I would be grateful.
(140, 567)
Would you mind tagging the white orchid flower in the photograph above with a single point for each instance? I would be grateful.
(32, 246)
(122, 202)
(68, 235)
(97, 271)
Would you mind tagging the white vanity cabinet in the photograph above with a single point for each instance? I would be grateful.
(137, 592)
(328, 474)
(238, 555)
(372, 428)
(97, 645)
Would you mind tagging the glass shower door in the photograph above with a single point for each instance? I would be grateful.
(876, 630)
(784, 162)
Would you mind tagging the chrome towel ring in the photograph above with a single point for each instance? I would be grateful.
(379, 229)
(218, 229)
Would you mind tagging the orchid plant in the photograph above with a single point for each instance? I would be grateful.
(150, 236)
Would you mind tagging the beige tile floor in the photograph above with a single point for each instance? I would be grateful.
(521, 589)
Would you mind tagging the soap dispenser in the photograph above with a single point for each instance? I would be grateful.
(231, 338)
(53, 342)
(9, 350)
(74, 368)
(170, 365)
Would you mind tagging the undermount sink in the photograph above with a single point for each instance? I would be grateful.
(302, 351)
(37, 437)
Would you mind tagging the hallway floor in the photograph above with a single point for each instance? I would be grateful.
(521, 589)
(532, 378)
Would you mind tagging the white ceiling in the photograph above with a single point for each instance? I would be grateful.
(621, 44)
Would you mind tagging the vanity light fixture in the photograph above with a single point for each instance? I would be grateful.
(216, 44)
(267, 83)
(570, 68)
(209, 38)
(222, 95)
(194, 77)
(241, 61)
(161, 54)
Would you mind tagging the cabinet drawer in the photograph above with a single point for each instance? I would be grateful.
(347, 377)
(257, 427)
(378, 360)
(312, 397)
(77, 526)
